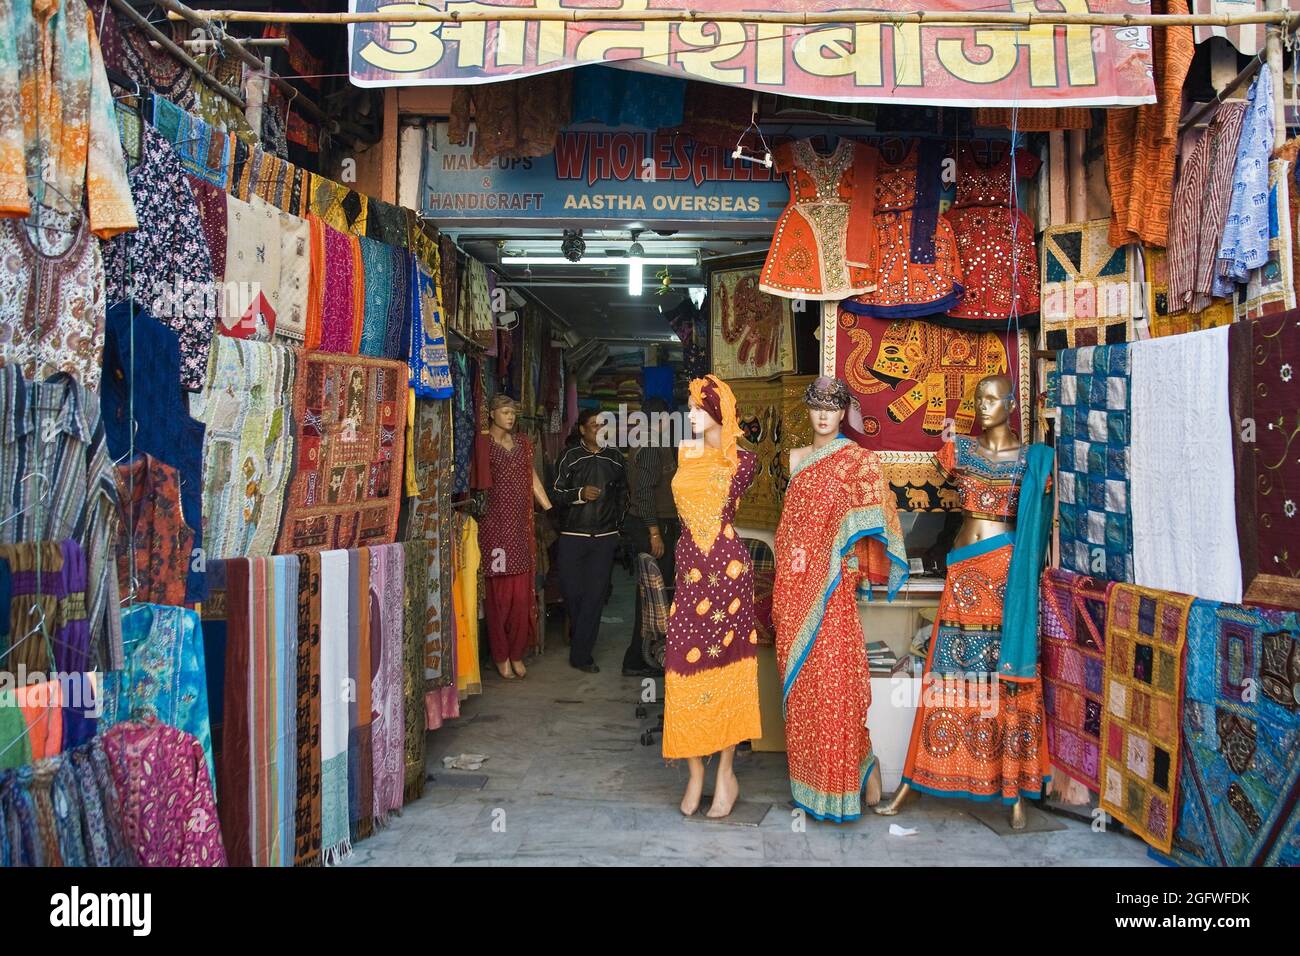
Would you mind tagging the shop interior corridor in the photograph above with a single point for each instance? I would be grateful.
(567, 782)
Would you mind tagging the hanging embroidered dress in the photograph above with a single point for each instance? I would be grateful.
(711, 662)
(823, 247)
(995, 242)
(917, 268)
(839, 530)
(975, 736)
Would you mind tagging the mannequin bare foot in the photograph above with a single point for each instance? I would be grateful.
(519, 668)
(726, 791)
(694, 790)
(893, 806)
(504, 670)
(873, 785)
(1019, 819)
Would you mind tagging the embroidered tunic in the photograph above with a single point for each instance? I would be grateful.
(823, 245)
(995, 242)
(917, 269)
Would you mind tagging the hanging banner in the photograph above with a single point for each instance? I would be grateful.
(600, 173)
(1040, 65)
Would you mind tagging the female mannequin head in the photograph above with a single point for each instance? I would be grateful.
(994, 402)
(704, 425)
(829, 404)
(503, 412)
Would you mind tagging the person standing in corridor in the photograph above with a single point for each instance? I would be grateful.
(592, 481)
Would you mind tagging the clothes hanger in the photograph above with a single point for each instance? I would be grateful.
(739, 152)
(34, 504)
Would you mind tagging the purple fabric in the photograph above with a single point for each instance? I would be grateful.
(925, 214)
(72, 653)
(338, 311)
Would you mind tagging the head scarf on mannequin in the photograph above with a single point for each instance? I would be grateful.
(715, 396)
(833, 394)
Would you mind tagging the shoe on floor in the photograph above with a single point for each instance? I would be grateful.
(585, 668)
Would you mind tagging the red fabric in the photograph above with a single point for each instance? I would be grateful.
(509, 615)
(233, 806)
(505, 538)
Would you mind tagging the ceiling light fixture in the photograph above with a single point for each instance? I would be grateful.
(604, 261)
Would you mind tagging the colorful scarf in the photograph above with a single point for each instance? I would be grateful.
(295, 277)
(430, 364)
(1018, 656)
(338, 299)
(388, 731)
(362, 614)
(377, 264)
(203, 150)
(334, 611)
(247, 448)
(416, 605)
(307, 815)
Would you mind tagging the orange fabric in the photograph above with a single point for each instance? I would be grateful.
(315, 284)
(823, 246)
(1290, 151)
(1142, 141)
(358, 295)
(1034, 120)
(700, 489)
(41, 705)
(713, 709)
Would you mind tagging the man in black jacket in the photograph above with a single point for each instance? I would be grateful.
(592, 482)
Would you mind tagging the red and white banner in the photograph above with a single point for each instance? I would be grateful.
(1041, 65)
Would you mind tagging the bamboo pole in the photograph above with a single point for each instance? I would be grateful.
(1273, 53)
(134, 15)
(811, 18)
(179, 11)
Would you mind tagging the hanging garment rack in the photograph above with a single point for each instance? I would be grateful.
(1205, 109)
(134, 15)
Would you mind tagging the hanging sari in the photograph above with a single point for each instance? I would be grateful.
(839, 529)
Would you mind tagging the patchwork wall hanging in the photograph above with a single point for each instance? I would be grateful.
(751, 333)
(1146, 633)
(1160, 321)
(349, 413)
(912, 378)
(1091, 387)
(1239, 786)
(1073, 630)
(1089, 292)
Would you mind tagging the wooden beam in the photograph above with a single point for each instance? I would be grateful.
(166, 42)
(388, 188)
(935, 18)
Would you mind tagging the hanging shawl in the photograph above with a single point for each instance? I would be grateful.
(334, 592)
(430, 364)
(1018, 660)
(704, 474)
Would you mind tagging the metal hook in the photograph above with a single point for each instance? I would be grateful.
(38, 501)
(130, 451)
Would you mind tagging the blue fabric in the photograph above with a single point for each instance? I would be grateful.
(164, 427)
(165, 673)
(657, 382)
(1244, 245)
(1239, 779)
(1092, 386)
(377, 269)
(429, 360)
(1018, 658)
(615, 97)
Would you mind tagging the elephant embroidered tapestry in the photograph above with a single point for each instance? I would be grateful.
(751, 333)
(913, 379)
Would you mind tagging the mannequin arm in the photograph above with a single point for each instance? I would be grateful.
(539, 492)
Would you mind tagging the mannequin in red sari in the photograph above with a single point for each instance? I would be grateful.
(839, 531)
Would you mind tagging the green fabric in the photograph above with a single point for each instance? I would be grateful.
(15, 748)
(1019, 654)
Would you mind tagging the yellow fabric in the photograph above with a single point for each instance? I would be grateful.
(712, 709)
(700, 489)
(465, 598)
(412, 483)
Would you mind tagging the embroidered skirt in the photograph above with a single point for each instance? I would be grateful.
(973, 736)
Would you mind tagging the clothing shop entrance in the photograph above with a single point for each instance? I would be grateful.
(592, 303)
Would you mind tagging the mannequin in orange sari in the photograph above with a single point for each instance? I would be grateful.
(839, 531)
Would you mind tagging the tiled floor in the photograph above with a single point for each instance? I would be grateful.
(568, 782)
